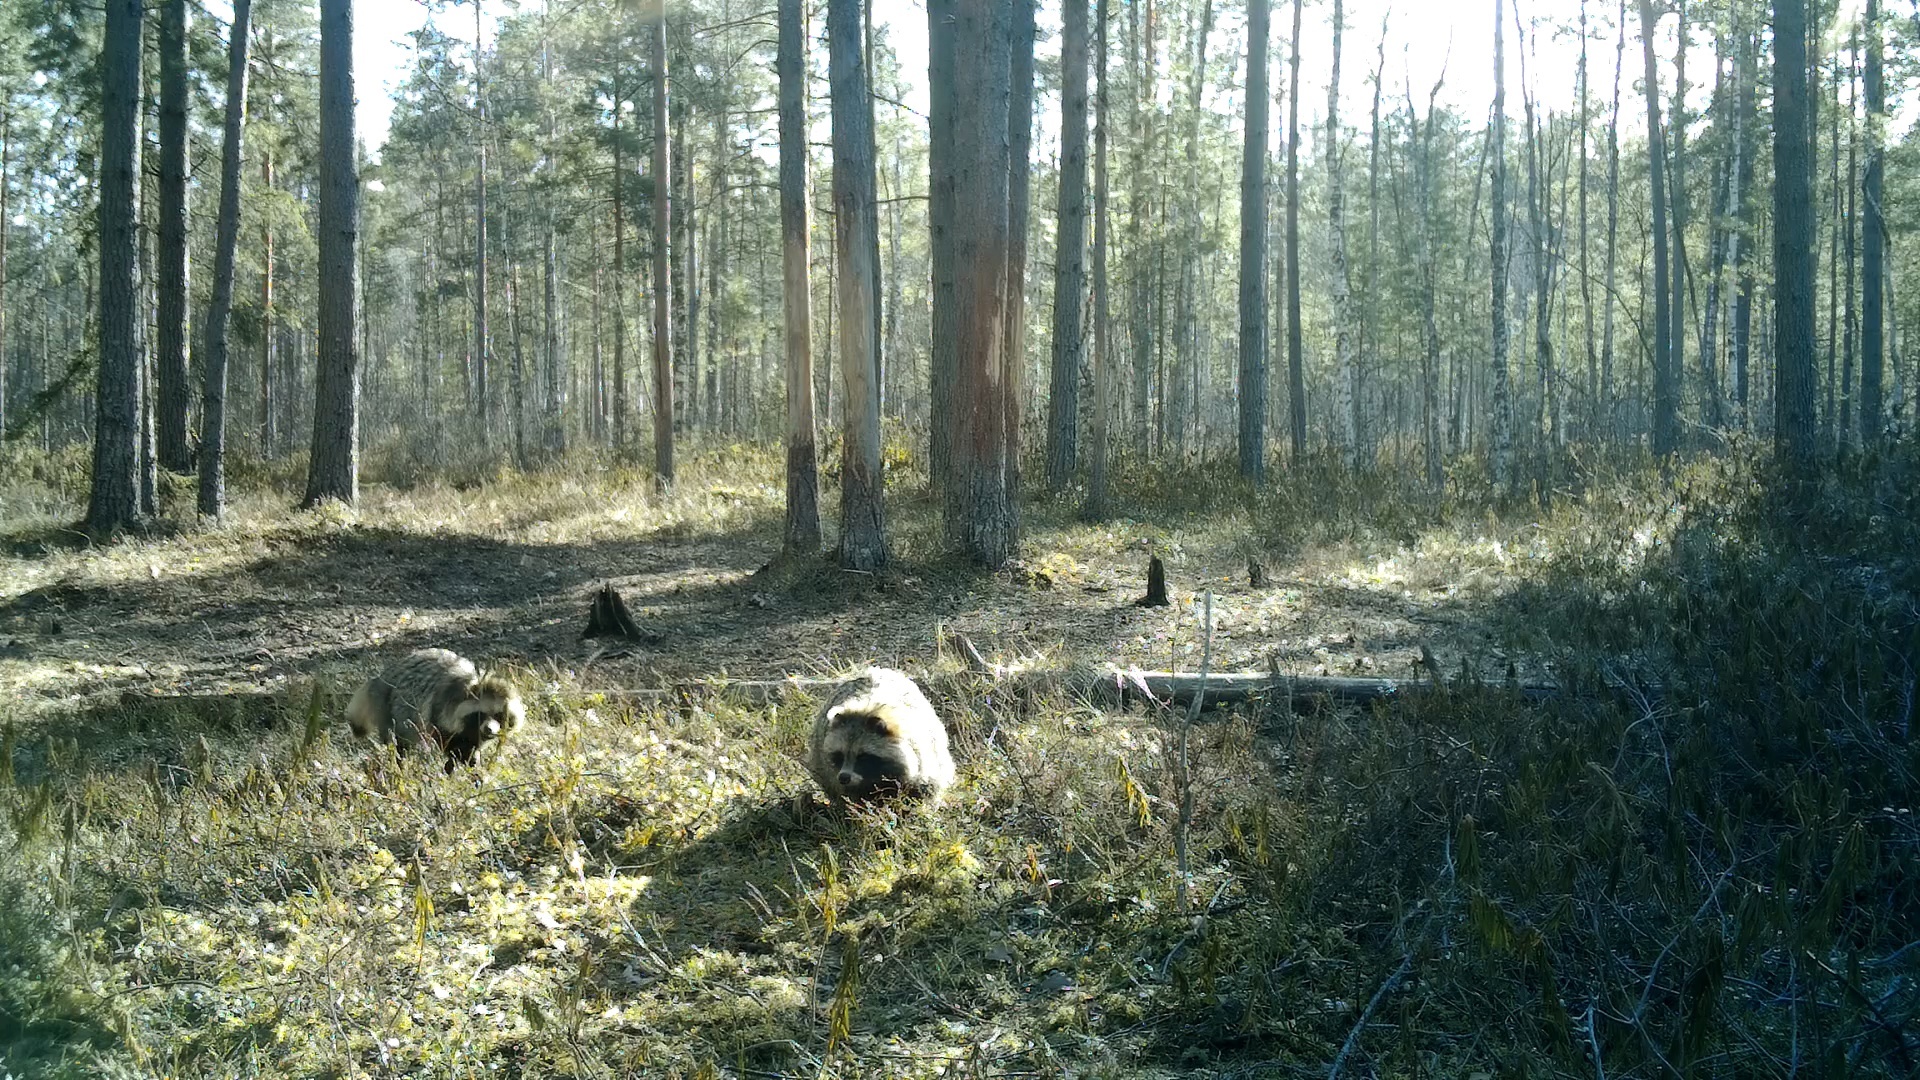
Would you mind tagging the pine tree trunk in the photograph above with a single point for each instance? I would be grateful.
(1872, 241)
(1347, 401)
(1070, 274)
(553, 399)
(269, 409)
(1792, 238)
(1429, 289)
(482, 331)
(1296, 349)
(1253, 251)
(1019, 169)
(114, 502)
(6, 154)
(1725, 191)
(863, 530)
(663, 399)
(1665, 405)
(1097, 494)
(1502, 439)
(1677, 274)
(171, 274)
(1745, 125)
(213, 430)
(333, 470)
(1611, 423)
(943, 359)
(1181, 401)
(619, 278)
(802, 536)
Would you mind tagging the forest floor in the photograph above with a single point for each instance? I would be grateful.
(204, 876)
(506, 572)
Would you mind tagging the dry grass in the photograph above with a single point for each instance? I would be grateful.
(1704, 863)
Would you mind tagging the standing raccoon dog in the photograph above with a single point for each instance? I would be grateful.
(875, 737)
(437, 696)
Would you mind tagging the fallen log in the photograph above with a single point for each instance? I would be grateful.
(1110, 686)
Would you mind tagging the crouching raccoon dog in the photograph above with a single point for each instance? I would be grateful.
(876, 736)
(436, 696)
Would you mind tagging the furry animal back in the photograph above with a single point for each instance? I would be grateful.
(438, 696)
(875, 736)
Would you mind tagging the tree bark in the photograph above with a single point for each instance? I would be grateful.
(1019, 180)
(1872, 240)
(863, 531)
(1613, 228)
(663, 409)
(979, 512)
(1181, 401)
(1347, 402)
(1070, 274)
(1665, 407)
(619, 276)
(213, 430)
(1792, 239)
(553, 401)
(1502, 437)
(1253, 251)
(943, 358)
(802, 535)
(175, 448)
(482, 330)
(333, 471)
(1097, 494)
(1745, 124)
(1296, 349)
(114, 501)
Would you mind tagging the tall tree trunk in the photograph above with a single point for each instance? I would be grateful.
(333, 471)
(683, 263)
(1665, 405)
(802, 536)
(552, 401)
(943, 358)
(1848, 325)
(1792, 238)
(1872, 240)
(1502, 441)
(6, 155)
(979, 511)
(1139, 209)
(1253, 251)
(1347, 403)
(716, 258)
(1540, 224)
(213, 429)
(1611, 423)
(1725, 192)
(663, 407)
(863, 528)
(114, 501)
(175, 448)
(1586, 269)
(1429, 285)
(1019, 169)
(1070, 274)
(1097, 494)
(1296, 349)
(1370, 328)
(269, 409)
(482, 334)
(1746, 143)
(1677, 270)
(619, 278)
(1181, 400)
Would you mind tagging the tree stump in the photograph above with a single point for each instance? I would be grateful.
(609, 617)
(1156, 585)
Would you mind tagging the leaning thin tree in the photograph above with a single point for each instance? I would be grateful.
(213, 426)
(333, 472)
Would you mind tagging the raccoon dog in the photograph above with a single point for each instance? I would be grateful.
(877, 736)
(436, 696)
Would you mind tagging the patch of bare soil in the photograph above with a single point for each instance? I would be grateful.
(338, 600)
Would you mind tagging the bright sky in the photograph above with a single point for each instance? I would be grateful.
(1423, 37)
